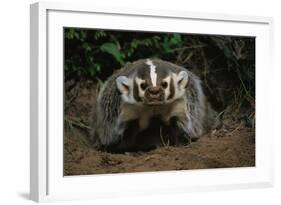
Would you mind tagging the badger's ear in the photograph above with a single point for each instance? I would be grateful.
(123, 84)
(182, 79)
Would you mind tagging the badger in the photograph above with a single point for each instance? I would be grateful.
(135, 96)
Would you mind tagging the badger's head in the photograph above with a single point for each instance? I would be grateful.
(152, 83)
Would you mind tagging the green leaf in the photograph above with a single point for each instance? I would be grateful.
(112, 49)
(99, 34)
(176, 39)
(166, 44)
(87, 47)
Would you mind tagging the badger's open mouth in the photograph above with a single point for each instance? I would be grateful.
(155, 103)
(154, 100)
(154, 97)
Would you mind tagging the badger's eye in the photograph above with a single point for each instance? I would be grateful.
(143, 85)
(164, 84)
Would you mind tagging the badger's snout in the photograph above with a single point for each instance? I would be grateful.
(154, 95)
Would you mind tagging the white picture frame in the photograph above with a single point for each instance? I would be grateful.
(47, 182)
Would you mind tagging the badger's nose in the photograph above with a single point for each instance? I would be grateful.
(154, 90)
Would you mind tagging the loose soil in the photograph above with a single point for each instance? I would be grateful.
(233, 145)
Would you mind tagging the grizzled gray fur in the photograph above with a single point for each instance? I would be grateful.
(148, 91)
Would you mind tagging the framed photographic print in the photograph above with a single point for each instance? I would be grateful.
(127, 102)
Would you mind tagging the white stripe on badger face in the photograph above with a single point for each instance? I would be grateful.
(153, 74)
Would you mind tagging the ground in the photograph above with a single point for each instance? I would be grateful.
(233, 145)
